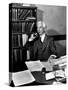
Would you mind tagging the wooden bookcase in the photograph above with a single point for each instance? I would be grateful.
(21, 18)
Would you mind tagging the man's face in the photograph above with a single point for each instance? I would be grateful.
(40, 29)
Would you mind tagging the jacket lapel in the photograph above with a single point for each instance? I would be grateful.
(45, 42)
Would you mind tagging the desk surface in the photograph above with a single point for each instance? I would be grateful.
(40, 78)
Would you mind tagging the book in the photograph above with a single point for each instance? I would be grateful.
(22, 13)
(28, 27)
(26, 14)
(19, 40)
(14, 14)
(16, 27)
(15, 40)
(24, 39)
(31, 18)
(23, 27)
(16, 55)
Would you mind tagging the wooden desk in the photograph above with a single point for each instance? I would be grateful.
(40, 78)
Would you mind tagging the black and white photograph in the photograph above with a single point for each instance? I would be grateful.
(37, 45)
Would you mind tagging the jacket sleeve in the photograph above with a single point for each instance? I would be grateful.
(53, 47)
(35, 50)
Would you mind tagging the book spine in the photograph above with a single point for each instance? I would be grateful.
(24, 39)
(14, 14)
(15, 55)
(19, 44)
(26, 14)
(23, 27)
(28, 54)
(21, 54)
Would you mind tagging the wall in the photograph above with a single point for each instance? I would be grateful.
(55, 18)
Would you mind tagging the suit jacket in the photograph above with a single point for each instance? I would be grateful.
(42, 51)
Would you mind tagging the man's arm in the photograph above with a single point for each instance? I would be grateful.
(53, 47)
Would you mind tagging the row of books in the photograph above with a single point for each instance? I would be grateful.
(19, 40)
(22, 27)
(16, 40)
(21, 14)
(16, 27)
(19, 55)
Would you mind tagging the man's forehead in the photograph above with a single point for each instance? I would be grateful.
(40, 23)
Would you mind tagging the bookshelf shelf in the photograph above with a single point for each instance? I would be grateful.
(18, 47)
(14, 33)
(22, 20)
(21, 6)
(15, 21)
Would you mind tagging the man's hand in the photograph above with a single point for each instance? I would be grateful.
(51, 58)
(33, 36)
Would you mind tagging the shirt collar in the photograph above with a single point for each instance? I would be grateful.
(42, 37)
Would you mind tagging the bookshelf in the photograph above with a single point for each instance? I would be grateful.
(22, 20)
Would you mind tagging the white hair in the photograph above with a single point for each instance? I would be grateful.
(41, 22)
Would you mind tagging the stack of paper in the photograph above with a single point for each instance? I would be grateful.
(58, 73)
(23, 77)
(34, 65)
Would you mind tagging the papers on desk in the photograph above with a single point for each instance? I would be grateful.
(54, 74)
(23, 77)
(61, 60)
(50, 75)
(58, 61)
(48, 66)
(34, 65)
(38, 65)
(60, 73)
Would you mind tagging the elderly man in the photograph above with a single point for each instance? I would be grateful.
(44, 46)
